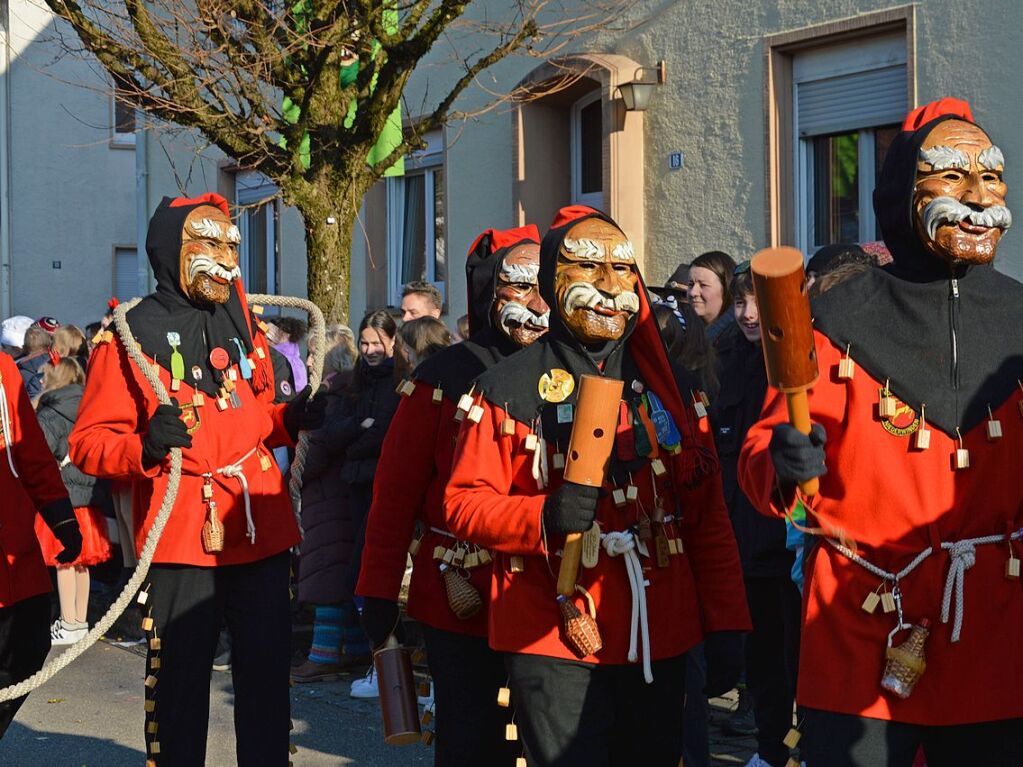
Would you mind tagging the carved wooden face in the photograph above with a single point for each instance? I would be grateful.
(595, 281)
(519, 310)
(209, 256)
(959, 199)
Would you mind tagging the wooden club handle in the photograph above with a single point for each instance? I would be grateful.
(799, 417)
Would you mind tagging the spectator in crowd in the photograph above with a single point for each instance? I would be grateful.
(419, 339)
(420, 299)
(709, 277)
(772, 650)
(689, 350)
(69, 343)
(841, 273)
(462, 329)
(832, 256)
(285, 335)
(36, 354)
(339, 337)
(12, 334)
(57, 411)
(677, 285)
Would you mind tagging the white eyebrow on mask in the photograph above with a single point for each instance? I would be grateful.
(991, 158)
(945, 158)
(526, 273)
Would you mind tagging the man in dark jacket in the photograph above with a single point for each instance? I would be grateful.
(772, 650)
(30, 365)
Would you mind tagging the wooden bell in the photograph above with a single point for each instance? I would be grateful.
(516, 564)
(511, 731)
(791, 739)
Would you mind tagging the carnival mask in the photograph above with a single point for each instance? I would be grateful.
(959, 199)
(518, 309)
(595, 282)
(209, 256)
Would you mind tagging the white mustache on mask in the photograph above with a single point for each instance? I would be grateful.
(202, 263)
(583, 295)
(948, 210)
(516, 315)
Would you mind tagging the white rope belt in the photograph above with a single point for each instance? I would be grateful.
(234, 471)
(623, 544)
(5, 425)
(962, 556)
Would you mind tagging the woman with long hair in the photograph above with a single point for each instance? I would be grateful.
(710, 275)
(417, 340)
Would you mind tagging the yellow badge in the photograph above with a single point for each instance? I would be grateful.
(904, 422)
(556, 386)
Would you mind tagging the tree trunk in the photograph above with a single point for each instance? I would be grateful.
(328, 241)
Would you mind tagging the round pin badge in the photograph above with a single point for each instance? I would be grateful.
(219, 358)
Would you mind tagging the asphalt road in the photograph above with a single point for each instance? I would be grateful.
(90, 715)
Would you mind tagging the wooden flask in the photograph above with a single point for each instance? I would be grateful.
(779, 283)
(398, 705)
(589, 453)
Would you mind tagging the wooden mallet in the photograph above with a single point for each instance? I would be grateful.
(786, 333)
(589, 454)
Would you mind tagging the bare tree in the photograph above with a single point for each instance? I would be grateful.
(309, 93)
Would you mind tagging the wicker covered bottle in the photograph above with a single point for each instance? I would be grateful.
(906, 662)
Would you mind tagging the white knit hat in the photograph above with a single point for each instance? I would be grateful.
(12, 330)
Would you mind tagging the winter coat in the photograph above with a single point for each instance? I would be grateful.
(57, 411)
(330, 528)
(740, 369)
(375, 398)
(31, 369)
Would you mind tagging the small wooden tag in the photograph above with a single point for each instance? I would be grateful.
(152, 728)
(207, 492)
(661, 549)
(961, 459)
(672, 546)
(994, 430)
(922, 439)
(438, 395)
(143, 597)
(154, 747)
(256, 309)
(472, 559)
(516, 564)
(175, 384)
(531, 443)
(520, 761)
(154, 663)
(511, 731)
(151, 681)
(438, 553)
(198, 399)
(232, 376)
(504, 697)
(476, 414)
(149, 706)
(704, 398)
(1012, 568)
(846, 369)
(413, 547)
(427, 737)
(221, 404)
(154, 644)
(678, 545)
(459, 559)
(791, 740)
(701, 409)
(631, 493)
(887, 407)
(558, 461)
(869, 606)
(427, 716)
(449, 556)
(887, 602)
(657, 465)
(465, 403)
(507, 427)
(265, 463)
(147, 623)
(618, 497)
(260, 353)
(485, 558)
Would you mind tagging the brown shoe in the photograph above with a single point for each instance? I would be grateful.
(311, 671)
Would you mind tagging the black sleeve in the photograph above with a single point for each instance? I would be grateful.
(284, 380)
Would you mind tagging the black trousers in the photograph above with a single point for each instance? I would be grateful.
(772, 661)
(572, 714)
(843, 740)
(24, 643)
(467, 675)
(189, 605)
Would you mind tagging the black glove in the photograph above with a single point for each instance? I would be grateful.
(302, 415)
(166, 430)
(379, 619)
(725, 655)
(798, 457)
(59, 516)
(570, 509)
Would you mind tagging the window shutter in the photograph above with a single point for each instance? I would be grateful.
(125, 273)
(847, 102)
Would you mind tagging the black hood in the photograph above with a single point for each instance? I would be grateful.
(942, 335)
(64, 401)
(453, 369)
(202, 328)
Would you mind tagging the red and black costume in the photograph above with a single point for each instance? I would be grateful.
(597, 710)
(413, 471)
(227, 469)
(935, 541)
(29, 482)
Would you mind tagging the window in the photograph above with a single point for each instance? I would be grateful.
(123, 122)
(126, 273)
(587, 148)
(416, 221)
(848, 101)
(257, 255)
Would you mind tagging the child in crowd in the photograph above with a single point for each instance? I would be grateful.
(57, 411)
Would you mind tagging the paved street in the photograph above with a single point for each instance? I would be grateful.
(90, 715)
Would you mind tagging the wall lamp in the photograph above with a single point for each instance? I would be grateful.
(636, 94)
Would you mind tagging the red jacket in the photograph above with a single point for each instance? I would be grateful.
(414, 467)
(894, 501)
(107, 442)
(492, 499)
(37, 485)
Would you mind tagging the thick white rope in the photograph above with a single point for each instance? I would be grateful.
(623, 544)
(235, 471)
(962, 556)
(170, 496)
